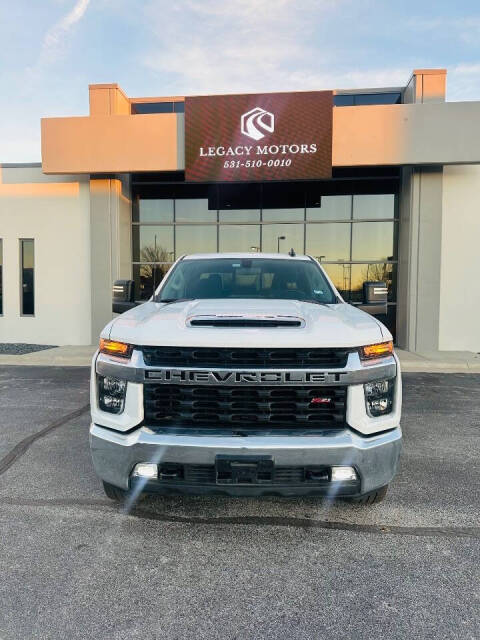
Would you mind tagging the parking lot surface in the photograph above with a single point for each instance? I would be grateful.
(75, 565)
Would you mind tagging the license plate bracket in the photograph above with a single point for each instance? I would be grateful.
(244, 469)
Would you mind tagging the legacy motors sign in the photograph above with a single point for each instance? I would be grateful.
(256, 137)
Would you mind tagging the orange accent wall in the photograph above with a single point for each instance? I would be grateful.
(110, 144)
(370, 135)
(40, 190)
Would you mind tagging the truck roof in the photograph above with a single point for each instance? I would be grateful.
(239, 256)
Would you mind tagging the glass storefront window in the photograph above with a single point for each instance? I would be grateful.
(160, 210)
(196, 239)
(194, 210)
(282, 237)
(372, 241)
(283, 215)
(344, 230)
(332, 208)
(152, 243)
(374, 206)
(330, 240)
(27, 277)
(383, 272)
(146, 276)
(233, 238)
(239, 215)
(340, 276)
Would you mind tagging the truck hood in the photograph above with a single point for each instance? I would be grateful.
(159, 324)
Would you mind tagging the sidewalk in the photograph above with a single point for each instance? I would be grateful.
(68, 356)
(440, 361)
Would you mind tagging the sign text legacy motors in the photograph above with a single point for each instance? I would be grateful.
(257, 137)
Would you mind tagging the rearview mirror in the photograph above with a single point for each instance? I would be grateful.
(375, 295)
(123, 296)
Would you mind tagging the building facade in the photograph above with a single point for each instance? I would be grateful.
(117, 197)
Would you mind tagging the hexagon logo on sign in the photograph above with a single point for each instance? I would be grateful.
(256, 122)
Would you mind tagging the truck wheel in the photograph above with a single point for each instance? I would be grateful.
(114, 493)
(372, 497)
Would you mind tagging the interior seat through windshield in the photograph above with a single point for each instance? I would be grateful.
(248, 278)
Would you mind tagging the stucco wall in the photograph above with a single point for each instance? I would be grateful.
(110, 237)
(419, 259)
(55, 211)
(460, 268)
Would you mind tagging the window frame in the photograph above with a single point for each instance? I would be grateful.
(21, 261)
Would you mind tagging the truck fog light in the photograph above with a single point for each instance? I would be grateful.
(343, 474)
(376, 389)
(379, 397)
(146, 470)
(113, 404)
(114, 386)
(111, 394)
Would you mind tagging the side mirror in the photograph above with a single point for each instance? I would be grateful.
(123, 296)
(375, 295)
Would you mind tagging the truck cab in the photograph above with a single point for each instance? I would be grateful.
(246, 374)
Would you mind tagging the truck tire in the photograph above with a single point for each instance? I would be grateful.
(372, 497)
(114, 493)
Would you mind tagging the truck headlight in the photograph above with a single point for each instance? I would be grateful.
(379, 397)
(379, 350)
(115, 348)
(111, 394)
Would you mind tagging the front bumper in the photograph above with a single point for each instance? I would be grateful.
(375, 458)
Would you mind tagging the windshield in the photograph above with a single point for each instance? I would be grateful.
(264, 278)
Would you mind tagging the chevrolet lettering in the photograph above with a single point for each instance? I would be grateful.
(181, 376)
(247, 374)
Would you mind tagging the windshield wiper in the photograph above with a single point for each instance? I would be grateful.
(171, 300)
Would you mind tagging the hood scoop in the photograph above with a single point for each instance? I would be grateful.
(245, 320)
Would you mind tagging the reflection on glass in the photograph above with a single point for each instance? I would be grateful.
(147, 277)
(340, 276)
(239, 215)
(328, 241)
(329, 233)
(194, 210)
(374, 206)
(283, 215)
(283, 237)
(333, 208)
(27, 277)
(390, 319)
(380, 272)
(235, 238)
(196, 239)
(153, 211)
(1, 277)
(152, 244)
(372, 241)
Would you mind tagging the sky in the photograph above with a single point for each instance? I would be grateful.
(51, 50)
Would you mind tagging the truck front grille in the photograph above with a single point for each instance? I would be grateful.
(205, 474)
(243, 357)
(244, 407)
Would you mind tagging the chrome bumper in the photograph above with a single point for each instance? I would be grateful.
(375, 457)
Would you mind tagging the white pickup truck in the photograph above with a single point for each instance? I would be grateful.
(246, 374)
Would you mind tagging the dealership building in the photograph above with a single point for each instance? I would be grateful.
(377, 184)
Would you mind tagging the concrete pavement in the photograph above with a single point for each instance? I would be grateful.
(75, 565)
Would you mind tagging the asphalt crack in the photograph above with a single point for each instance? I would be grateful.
(22, 447)
(106, 507)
